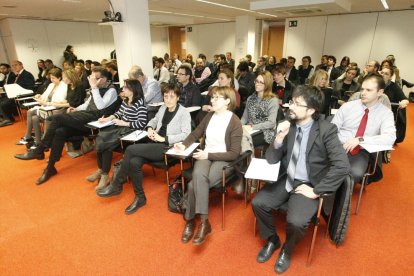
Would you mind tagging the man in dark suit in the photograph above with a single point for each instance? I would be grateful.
(9, 76)
(23, 78)
(312, 163)
(291, 71)
(333, 72)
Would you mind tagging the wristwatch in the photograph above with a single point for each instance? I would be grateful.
(361, 139)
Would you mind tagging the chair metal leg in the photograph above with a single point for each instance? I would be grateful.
(246, 185)
(315, 231)
(223, 198)
(254, 226)
(364, 179)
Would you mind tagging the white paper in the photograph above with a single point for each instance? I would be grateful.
(260, 169)
(286, 105)
(204, 93)
(47, 108)
(14, 90)
(135, 136)
(186, 152)
(253, 131)
(375, 148)
(333, 111)
(24, 99)
(193, 108)
(30, 104)
(97, 124)
(156, 104)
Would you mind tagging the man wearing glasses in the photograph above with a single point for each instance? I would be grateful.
(312, 163)
(370, 68)
(102, 102)
(190, 94)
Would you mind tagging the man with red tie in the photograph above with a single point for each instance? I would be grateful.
(365, 121)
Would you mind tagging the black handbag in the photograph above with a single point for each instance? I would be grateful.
(175, 196)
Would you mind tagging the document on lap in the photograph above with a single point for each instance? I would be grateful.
(30, 104)
(260, 169)
(371, 148)
(47, 108)
(97, 124)
(186, 152)
(14, 90)
(135, 136)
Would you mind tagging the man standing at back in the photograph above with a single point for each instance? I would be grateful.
(23, 78)
(312, 163)
(365, 121)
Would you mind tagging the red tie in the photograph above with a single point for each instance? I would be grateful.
(361, 130)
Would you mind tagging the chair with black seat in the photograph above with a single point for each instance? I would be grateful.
(335, 209)
(238, 166)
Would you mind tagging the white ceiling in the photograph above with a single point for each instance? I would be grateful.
(186, 12)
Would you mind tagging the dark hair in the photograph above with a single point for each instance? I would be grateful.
(160, 60)
(283, 61)
(279, 68)
(347, 59)
(136, 88)
(96, 63)
(333, 58)
(5, 65)
(88, 61)
(243, 67)
(49, 61)
(187, 69)
(203, 56)
(56, 72)
(308, 58)
(290, 57)
(378, 78)
(104, 73)
(229, 74)
(81, 61)
(391, 70)
(349, 68)
(68, 48)
(386, 61)
(313, 97)
(112, 66)
(166, 88)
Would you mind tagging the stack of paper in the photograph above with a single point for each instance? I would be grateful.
(186, 152)
(97, 124)
(135, 136)
(261, 170)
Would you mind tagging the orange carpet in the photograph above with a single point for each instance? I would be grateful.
(63, 228)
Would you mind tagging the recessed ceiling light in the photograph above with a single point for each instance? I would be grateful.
(72, 1)
(233, 7)
(385, 4)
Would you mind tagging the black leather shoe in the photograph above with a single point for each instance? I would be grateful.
(30, 155)
(267, 251)
(204, 229)
(109, 191)
(135, 205)
(188, 232)
(406, 83)
(283, 262)
(47, 173)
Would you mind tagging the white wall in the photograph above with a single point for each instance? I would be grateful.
(29, 40)
(218, 38)
(362, 37)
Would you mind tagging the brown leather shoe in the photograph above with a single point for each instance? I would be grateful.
(188, 231)
(203, 230)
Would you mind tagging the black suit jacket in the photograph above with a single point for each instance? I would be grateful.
(335, 73)
(294, 76)
(26, 80)
(326, 161)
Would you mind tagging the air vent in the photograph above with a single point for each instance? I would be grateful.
(300, 11)
(9, 7)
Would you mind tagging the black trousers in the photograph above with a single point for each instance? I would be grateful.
(134, 158)
(359, 164)
(7, 107)
(63, 126)
(300, 212)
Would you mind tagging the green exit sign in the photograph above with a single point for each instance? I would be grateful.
(293, 23)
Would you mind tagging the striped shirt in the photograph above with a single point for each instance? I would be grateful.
(135, 114)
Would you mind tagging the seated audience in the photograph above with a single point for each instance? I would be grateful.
(324, 63)
(261, 110)
(305, 70)
(83, 75)
(344, 64)
(342, 85)
(102, 102)
(7, 75)
(393, 91)
(365, 121)
(201, 71)
(55, 93)
(41, 75)
(132, 115)
(190, 94)
(271, 64)
(69, 55)
(260, 67)
(113, 70)
(245, 78)
(161, 73)
(222, 131)
(282, 87)
(7, 106)
(320, 80)
(291, 71)
(333, 73)
(371, 67)
(171, 125)
(151, 88)
(317, 164)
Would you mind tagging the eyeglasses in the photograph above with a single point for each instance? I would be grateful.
(180, 74)
(258, 82)
(215, 98)
(296, 104)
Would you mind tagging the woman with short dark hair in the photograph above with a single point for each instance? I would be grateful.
(170, 125)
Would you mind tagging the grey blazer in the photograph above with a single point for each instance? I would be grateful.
(179, 127)
(326, 161)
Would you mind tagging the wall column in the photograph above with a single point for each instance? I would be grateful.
(132, 37)
(245, 37)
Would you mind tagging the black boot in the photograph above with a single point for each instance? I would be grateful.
(47, 173)
(138, 202)
(407, 84)
(110, 190)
